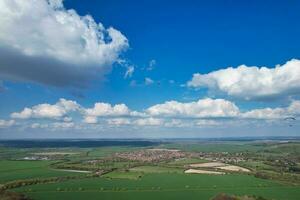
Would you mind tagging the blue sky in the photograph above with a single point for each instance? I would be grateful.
(177, 51)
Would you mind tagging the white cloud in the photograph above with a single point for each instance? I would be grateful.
(266, 113)
(252, 82)
(138, 114)
(24, 114)
(106, 109)
(201, 109)
(67, 119)
(90, 119)
(148, 122)
(129, 72)
(39, 125)
(60, 109)
(196, 114)
(148, 81)
(205, 123)
(274, 113)
(294, 108)
(6, 123)
(63, 125)
(119, 121)
(176, 123)
(43, 42)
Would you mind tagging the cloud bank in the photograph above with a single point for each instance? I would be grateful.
(68, 114)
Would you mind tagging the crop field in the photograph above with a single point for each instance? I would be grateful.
(169, 186)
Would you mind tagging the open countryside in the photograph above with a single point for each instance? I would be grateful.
(165, 169)
(149, 100)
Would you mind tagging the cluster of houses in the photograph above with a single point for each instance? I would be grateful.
(151, 155)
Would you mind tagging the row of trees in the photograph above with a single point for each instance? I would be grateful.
(26, 182)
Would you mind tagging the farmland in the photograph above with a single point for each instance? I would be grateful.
(269, 170)
(12, 170)
(162, 185)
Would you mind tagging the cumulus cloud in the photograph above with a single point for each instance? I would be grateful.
(6, 123)
(106, 109)
(58, 110)
(90, 119)
(252, 82)
(41, 41)
(266, 113)
(274, 113)
(196, 114)
(202, 108)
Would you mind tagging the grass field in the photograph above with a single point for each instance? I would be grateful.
(16, 170)
(162, 186)
(124, 175)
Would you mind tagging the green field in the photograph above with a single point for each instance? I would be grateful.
(184, 161)
(156, 169)
(124, 175)
(162, 186)
(16, 170)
